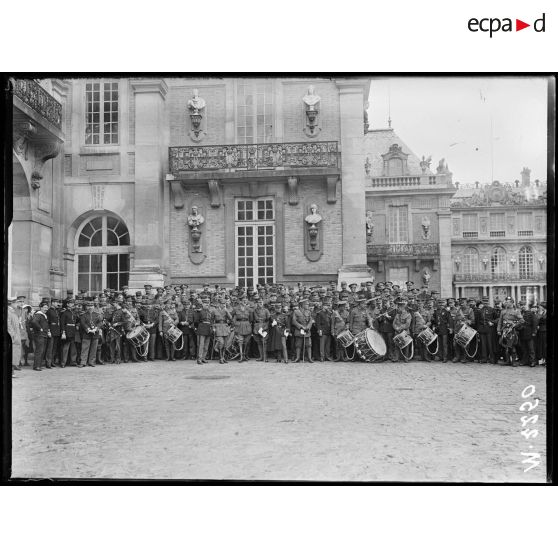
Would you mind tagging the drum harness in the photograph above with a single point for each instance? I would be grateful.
(181, 334)
(476, 345)
(144, 349)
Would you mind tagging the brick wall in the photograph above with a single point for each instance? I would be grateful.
(294, 117)
(213, 235)
(417, 228)
(214, 113)
(331, 229)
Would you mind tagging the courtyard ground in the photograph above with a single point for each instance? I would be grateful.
(324, 422)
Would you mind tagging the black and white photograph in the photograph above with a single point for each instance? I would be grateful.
(283, 277)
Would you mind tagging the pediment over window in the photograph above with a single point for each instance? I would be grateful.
(395, 161)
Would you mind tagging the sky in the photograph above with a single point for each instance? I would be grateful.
(455, 118)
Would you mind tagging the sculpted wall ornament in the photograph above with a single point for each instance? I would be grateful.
(196, 108)
(425, 223)
(369, 226)
(195, 221)
(313, 237)
(43, 152)
(312, 109)
(426, 277)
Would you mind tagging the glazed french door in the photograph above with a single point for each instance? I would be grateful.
(255, 242)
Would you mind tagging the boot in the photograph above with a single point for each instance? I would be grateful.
(309, 353)
(297, 359)
(199, 361)
(261, 351)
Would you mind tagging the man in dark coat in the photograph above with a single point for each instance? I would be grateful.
(52, 355)
(41, 332)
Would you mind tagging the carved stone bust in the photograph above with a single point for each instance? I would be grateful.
(311, 99)
(195, 219)
(196, 103)
(313, 218)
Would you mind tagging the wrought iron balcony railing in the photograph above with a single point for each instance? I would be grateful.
(429, 249)
(34, 96)
(263, 156)
(491, 277)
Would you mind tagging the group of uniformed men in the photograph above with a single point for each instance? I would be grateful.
(290, 324)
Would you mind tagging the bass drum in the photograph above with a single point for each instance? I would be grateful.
(370, 345)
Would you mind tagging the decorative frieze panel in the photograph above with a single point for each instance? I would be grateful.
(427, 249)
(249, 157)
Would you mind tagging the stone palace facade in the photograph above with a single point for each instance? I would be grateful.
(123, 181)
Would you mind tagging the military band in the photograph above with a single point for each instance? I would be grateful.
(289, 324)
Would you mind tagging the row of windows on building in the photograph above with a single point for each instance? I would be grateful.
(254, 112)
(497, 224)
(498, 263)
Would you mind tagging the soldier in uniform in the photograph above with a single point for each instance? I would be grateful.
(418, 324)
(203, 329)
(339, 323)
(168, 318)
(527, 337)
(508, 325)
(149, 315)
(358, 317)
(401, 321)
(485, 321)
(261, 327)
(90, 324)
(323, 325)
(116, 332)
(68, 320)
(385, 326)
(302, 322)
(242, 321)
(52, 355)
(186, 325)
(442, 322)
(220, 318)
(280, 329)
(131, 320)
(463, 316)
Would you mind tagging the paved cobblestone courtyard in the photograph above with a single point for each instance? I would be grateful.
(324, 422)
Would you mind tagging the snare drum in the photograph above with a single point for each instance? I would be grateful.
(173, 334)
(465, 335)
(402, 339)
(139, 336)
(427, 336)
(370, 345)
(346, 338)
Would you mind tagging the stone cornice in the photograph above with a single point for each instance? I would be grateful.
(150, 86)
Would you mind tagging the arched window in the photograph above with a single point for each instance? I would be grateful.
(498, 262)
(525, 262)
(470, 260)
(103, 254)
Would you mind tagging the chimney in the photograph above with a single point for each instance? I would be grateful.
(525, 177)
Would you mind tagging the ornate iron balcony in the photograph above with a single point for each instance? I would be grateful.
(377, 250)
(264, 156)
(34, 96)
(491, 277)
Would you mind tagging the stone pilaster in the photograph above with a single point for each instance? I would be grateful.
(149, 185)
(352, 94)
(446, 267)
